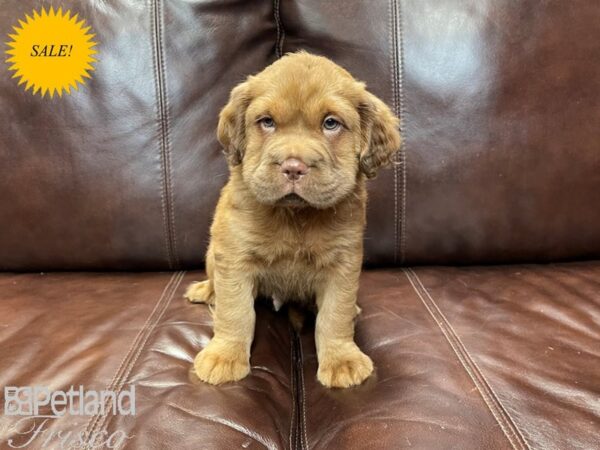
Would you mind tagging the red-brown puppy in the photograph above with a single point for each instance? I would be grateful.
(301, 138)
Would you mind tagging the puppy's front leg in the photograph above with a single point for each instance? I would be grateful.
(341, 363)
(227, 355)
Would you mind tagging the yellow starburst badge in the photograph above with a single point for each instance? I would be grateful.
(51, 52)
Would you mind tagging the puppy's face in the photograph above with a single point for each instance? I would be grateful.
(304, 132)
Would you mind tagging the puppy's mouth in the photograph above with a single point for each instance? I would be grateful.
(292, 200)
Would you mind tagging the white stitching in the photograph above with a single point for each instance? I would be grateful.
(479, 371)
(392, 62)
(93, 421)
(106, 419)
(508, 426)
(402, 117)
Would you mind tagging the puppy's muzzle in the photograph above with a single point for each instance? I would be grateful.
(294, 169)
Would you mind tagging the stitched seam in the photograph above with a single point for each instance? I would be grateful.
(490, 398)
(478, 371)
(106, 419)
(163, 119)
(393, 39)
(159, 128)
(280, 30)
(489, 404)
(137, 347)
(292, 388)
(92, 423)
(94, 419)
(303, 390)
(167, 122)
(402, 116)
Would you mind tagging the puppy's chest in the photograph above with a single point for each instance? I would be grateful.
(290, 266)
(285, 250)
(288, 282)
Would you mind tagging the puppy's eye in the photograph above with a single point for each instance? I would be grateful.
(331, 123)
(267, 123)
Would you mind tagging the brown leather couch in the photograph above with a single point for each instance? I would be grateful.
(480, 296)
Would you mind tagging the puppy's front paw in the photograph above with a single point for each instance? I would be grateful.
(344, 369)
(200, 292)
(222, 362)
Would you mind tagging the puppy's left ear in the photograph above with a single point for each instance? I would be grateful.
(231, 131)
(380, 135)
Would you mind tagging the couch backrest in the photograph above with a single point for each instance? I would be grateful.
(500, 109)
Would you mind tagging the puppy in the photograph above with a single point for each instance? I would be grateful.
(301, 138)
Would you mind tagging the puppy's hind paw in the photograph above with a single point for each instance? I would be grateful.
(200, 292)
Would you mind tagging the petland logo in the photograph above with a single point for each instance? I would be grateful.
(29, 401)
(38, 406)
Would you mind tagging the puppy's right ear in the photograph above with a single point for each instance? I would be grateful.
(231, 131)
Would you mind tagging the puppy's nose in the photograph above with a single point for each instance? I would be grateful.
(293, 169)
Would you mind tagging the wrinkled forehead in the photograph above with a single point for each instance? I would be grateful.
(308, 93)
